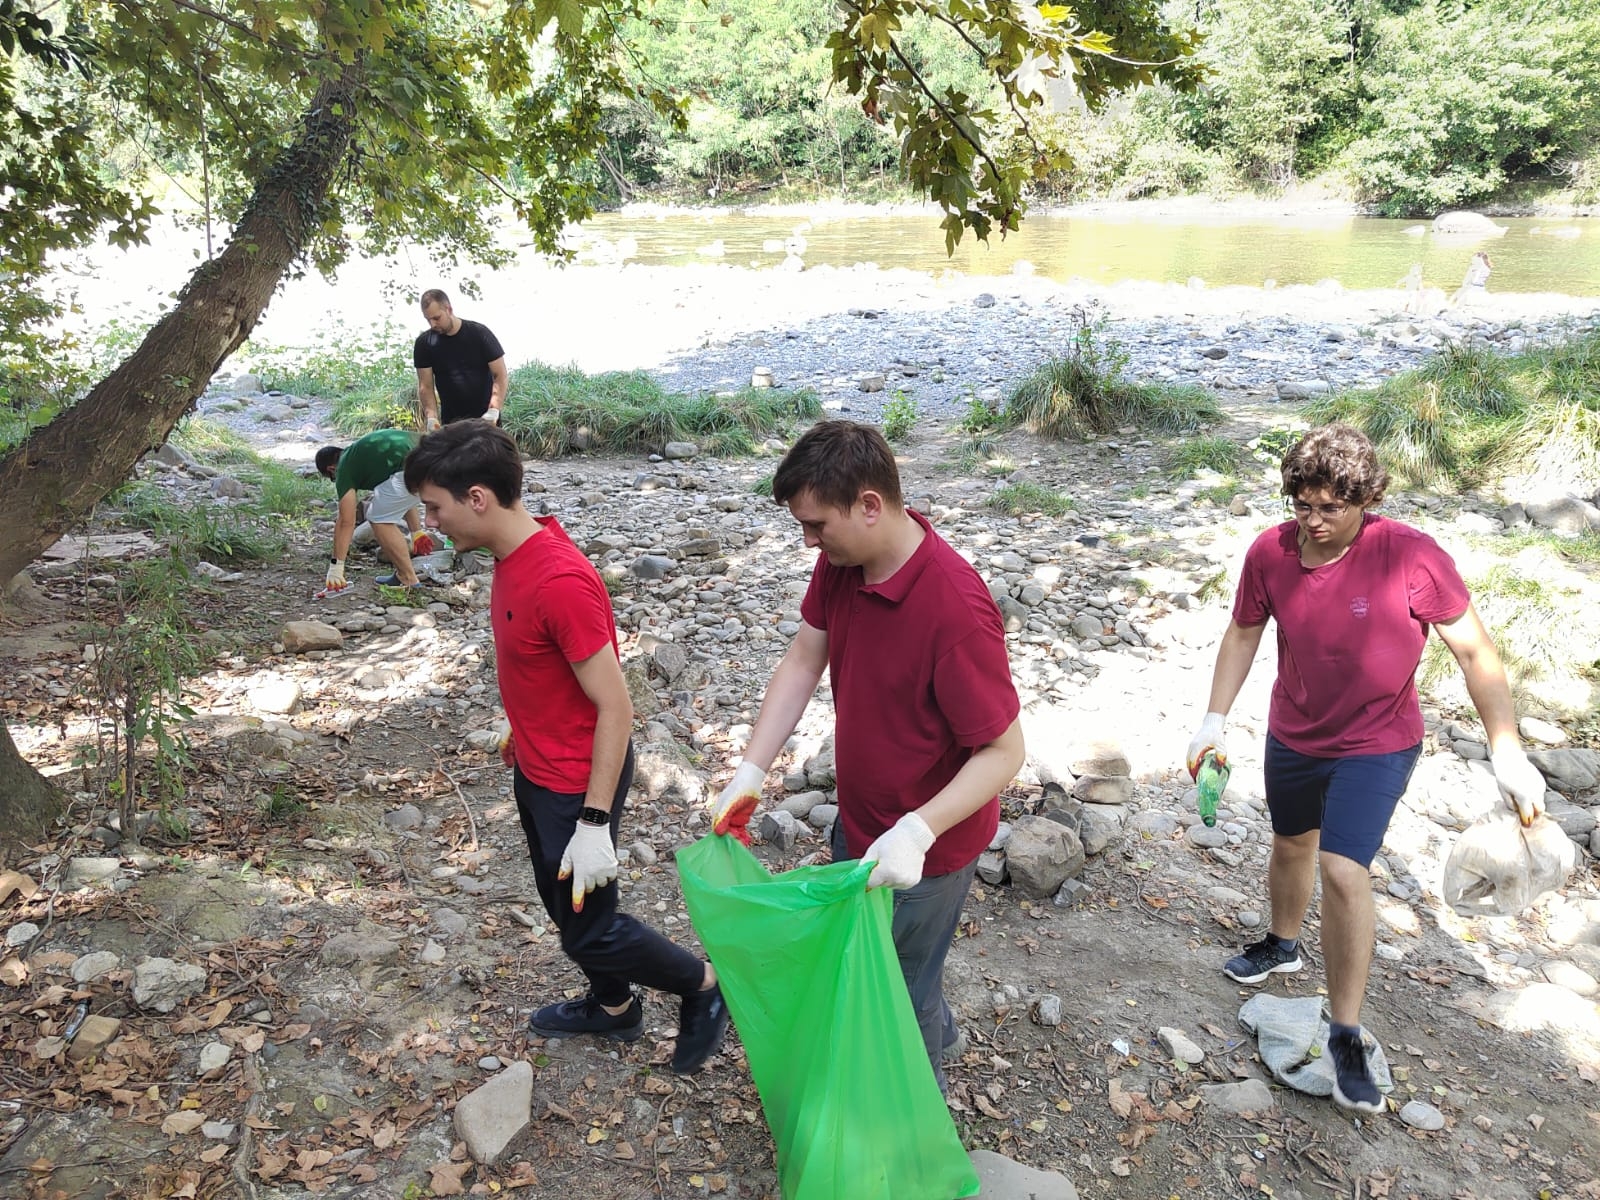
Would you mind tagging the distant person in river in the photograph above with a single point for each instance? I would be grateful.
(461, 369)
(1476, 284)
(1412, 286)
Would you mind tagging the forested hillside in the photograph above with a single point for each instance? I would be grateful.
(1411, 107)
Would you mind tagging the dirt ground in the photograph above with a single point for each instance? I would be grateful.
(345, 1063)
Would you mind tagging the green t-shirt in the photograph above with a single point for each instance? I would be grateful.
(369, 460)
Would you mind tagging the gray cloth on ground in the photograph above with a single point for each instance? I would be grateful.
(1293, 1039)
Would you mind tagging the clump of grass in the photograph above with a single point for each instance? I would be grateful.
(212, 442)
(197, 531)
(1084, 392)
(1015, 499)
(1550, 650)
(1221, 494)
(558, 410)
(1470, 416)
(1204, 453)
(762, 486)
(285, 492)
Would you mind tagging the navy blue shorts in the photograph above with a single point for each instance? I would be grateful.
(1349, 799)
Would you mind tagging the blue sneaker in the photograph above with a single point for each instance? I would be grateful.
(392, 579)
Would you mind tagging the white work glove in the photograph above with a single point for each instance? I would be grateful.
(590, 859)
(1209, 737)
(335, 580)
(429, 424)
(492, 416)
(1520, 782)
(737, 802)
(899, 852)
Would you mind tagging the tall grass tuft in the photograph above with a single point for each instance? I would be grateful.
(1205, 453)
(1084, 392)
(552, 411)
(1470, 416)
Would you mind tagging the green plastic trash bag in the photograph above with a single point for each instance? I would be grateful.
(809, 971)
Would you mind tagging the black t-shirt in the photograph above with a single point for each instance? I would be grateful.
(460, 364)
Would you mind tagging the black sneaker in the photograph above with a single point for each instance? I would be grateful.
(1353, 1087)
(702, 1022)
(1261, 959)
(572, 1017)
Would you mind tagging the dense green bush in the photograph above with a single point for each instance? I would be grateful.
(1457, 101)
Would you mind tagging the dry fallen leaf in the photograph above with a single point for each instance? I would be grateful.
(986, 1108)
(216, 1153)
(183, 1122)
(446, 1178)
(1121, 1101)
(13, 972)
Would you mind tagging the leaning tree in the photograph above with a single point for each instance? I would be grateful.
(321, 128)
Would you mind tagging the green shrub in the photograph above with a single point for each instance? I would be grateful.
(196, 531)
(899, 416)
(979, 416)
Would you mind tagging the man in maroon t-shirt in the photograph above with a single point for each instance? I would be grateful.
(1353, 596)
(926, 730)
(555, 647)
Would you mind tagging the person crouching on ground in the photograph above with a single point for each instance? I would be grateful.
(561, 683)
(373, 463)
(1354, 595)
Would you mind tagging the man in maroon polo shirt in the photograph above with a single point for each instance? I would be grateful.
(926, 730)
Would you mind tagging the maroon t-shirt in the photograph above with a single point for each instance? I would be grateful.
(1350, 634)
(920, 681)
(549, 610)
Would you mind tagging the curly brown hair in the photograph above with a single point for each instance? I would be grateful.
(1337, 457)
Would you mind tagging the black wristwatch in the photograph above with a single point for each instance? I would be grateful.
(595, 816)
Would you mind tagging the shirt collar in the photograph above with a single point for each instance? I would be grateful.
(898, 586)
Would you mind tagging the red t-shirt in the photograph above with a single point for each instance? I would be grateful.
(550, 610)
(920, 680)
(1350, 634)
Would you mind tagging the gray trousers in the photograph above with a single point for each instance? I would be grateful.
(924, 925)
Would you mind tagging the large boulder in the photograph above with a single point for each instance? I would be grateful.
(1569, 771)
(1466, 224)
(1041, 855)
(1564, 514)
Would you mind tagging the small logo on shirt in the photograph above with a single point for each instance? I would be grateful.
(1358, 606)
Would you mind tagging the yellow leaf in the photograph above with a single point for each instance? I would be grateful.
(182, 1122)
(596, 1135)
(189, 1102)
(320, 1104)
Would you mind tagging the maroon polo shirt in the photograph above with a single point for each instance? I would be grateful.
(920, 681)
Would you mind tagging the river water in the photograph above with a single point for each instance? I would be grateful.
(1533, 255)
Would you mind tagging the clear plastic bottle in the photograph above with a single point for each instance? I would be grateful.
(1211, 780)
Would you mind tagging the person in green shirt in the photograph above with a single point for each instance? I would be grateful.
(375, 463)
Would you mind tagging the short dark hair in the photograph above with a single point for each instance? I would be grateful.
(467, 454)
(328, 460)
(836, 461)
(1337, 457)
(433, 296)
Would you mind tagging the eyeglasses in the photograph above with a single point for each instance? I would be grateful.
(1328, 512)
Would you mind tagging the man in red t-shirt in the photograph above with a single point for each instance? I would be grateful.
(555, 646)
(926, 730)
(1353, 595)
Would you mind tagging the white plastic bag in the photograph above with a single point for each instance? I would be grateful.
(1500, 868)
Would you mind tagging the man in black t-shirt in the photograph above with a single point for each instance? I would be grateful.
(461, 368)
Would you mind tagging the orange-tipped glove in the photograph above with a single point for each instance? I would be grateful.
(423, 542)
(508, 748)
(590, 860)
(737, 803)
(1521, 783)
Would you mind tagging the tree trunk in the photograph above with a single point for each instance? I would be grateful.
(54, 479)
(28, 801)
